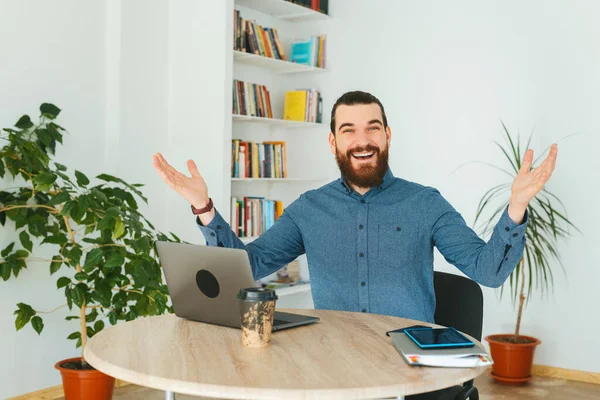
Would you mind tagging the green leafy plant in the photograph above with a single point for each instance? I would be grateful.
(547, 224)
(105, 252)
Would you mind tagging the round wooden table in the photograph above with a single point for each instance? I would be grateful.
(344, 356)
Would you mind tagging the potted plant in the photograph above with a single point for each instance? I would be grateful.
(513, 353)
(106, 262)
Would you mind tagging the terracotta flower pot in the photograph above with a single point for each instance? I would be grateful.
(512, 361)
(87, 384)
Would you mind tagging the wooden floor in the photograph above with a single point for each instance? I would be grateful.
(537, 388)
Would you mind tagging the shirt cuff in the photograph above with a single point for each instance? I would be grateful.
(213, 229)
(510, 231)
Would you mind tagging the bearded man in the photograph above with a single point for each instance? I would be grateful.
(369, 236)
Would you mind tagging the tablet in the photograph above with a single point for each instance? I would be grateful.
(438, 338)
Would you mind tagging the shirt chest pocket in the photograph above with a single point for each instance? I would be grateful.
(397, 243)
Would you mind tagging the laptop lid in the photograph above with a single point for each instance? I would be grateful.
(204, 281)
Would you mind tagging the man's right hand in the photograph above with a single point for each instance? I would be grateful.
(192, 189)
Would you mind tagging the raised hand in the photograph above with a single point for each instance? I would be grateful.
(193, 188)
(528, 183)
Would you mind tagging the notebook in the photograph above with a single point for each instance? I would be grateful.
(460, 358)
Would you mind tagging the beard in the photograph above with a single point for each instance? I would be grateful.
(363, 176)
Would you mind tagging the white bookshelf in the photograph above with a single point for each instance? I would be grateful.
(281, 123)
(273, 64)
(283, 10)
(278, 76)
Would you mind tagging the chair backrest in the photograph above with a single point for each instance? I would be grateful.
(459, 303)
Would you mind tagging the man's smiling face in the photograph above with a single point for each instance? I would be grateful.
(360, 144)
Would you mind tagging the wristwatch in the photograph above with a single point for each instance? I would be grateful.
(203, 210)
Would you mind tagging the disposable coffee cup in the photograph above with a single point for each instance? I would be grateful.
(257, 309)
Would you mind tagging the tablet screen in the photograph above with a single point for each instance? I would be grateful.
(438, 337)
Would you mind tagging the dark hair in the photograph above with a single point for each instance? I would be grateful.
(356, 97)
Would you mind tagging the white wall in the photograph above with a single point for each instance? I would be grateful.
(132, 78)
(447, 73)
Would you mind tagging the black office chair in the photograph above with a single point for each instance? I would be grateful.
(459, 303)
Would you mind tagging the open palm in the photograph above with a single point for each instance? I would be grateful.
(193, 188)
(529, 182)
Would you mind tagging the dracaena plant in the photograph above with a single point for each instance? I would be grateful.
(547, 225)
(105, 259)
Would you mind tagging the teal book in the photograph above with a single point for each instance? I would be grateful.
(302, 52)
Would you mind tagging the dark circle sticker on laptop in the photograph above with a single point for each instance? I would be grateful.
(207, 283)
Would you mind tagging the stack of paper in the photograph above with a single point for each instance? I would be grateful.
(460, 357)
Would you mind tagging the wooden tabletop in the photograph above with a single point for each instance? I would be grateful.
(344, 356)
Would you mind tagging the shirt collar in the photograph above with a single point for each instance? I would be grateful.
(388, 178)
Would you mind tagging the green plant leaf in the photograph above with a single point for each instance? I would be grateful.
(74, 335)
(142, 273)
(107, 178)
(114, 260)
(62, 282)
(82, 180)
(25, 240)
(60, 167)
(55, 264)
(59, 198)
(81, 276)
(93, 258)
(119, 228)
(24, 314)
(77, 295)
(141, 245)
(72, 317)
(74, 256)
(5, 269)
(98, 326)
(44, 178)
(68, 208)
(102, 293)
(7, 250)
(49, 110)
(112, 317)
(38, 324)
(59, 239)
(91, 317)
(24, 122)
(69, 297)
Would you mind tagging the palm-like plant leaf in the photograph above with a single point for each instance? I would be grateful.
(545, 227)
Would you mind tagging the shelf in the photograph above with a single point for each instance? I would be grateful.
(248, 239)
(276, 122)
(274, 180)
(279, 66)
(283, 10)
(287, 290)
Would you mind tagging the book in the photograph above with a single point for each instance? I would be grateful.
(294, 108)
(467, 357)
(309, 51)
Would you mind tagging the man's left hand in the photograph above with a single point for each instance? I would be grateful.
(528, 183)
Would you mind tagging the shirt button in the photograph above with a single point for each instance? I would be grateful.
(506, 259)
(219, 226)
(507, 229)
(212, 234)
(360, 227)
(398, 228)
(515, 234)
(362, 254)
(363, 283)
(364, 310)
(362, 201)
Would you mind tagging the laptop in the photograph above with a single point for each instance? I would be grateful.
(204, 281)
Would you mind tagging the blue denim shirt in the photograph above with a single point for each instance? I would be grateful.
(374, 252)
